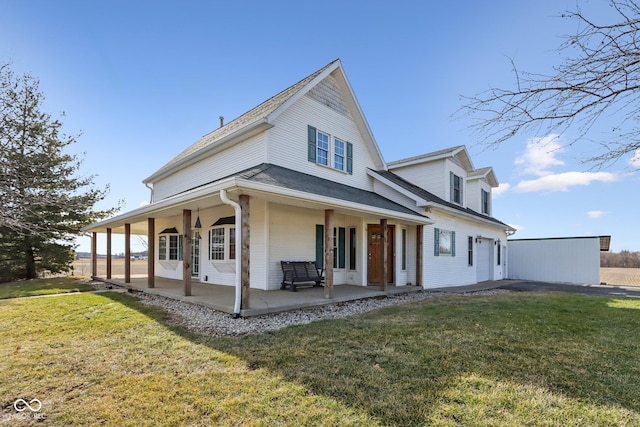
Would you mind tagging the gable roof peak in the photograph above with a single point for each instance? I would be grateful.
(487, 173)
(458, 150)
(257, 116)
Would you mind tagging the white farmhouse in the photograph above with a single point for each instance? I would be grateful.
(300, 177)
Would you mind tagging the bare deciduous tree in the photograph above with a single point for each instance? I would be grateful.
(600, 75)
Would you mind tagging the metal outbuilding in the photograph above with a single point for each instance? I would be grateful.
(557, 259)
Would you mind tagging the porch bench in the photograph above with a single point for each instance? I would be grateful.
(296, 272)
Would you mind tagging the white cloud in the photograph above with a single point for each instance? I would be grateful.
(562, 181)
(635, 160)
(516, 226)
(540, 155)
(596, 214)
(500, 190)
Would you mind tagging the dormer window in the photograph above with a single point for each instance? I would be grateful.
(455, 188)
(486, 204)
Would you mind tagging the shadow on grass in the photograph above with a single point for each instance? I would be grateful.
(502, 359)
(46, 286)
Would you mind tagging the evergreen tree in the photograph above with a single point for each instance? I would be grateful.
(44, 202)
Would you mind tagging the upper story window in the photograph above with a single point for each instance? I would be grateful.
(338, 156)
(486, 202)
(329, 151)
(323, 149)
(456, 188)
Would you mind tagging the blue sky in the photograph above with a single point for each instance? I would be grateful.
(143, 80)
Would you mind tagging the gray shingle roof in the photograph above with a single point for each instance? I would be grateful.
(446, 151)
(283, 177)
(279, 176)
(255, 114)
(430, 197)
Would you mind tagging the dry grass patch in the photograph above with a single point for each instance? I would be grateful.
(48, 286)
(106, 359)
(502, 360)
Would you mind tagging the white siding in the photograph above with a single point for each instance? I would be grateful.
(408, 275)
(454, 167)
(292, 237)
(430, 176)
(391, 194)
(167, 269)
(474, 194)
(570, 260)
(447, 270)
(288, 142)
(484, 259)
(236, 158)
(258, 244)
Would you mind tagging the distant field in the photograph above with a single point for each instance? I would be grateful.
(82, 267)
(620, 276)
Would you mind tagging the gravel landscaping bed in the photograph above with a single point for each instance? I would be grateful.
(208, 321)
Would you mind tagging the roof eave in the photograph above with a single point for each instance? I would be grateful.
(420, 202)
(427, 158)
(331, 202)
(471, 217)
(152, 209)
(245, 132)
(336, 65)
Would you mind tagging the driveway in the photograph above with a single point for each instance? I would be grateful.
(610, 290)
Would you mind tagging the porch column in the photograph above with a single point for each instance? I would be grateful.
(186, 252)
(245, 251)
(127, 253)
(419, 231)
(151, 252)
(94, 254)
(385, 253)
(109, 264)
(328, 253)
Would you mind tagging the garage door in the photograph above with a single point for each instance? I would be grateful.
(484, 267)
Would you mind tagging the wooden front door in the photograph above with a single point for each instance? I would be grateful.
(374, 268)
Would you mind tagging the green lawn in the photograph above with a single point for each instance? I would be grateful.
(54, 285)
(503, 360)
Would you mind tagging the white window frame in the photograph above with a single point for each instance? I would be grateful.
(168, 243)
(228, 241)
(323, 148)
(339, 154)
(444, 242)
(162, 247)
(485, 205)
(459, 189)
(331, 151)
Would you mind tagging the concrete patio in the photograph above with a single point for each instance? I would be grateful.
(222, 298)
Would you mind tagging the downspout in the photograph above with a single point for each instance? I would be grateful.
(146, 184)
(236, 207)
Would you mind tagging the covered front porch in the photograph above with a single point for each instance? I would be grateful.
(236, 232)
(222, 298)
